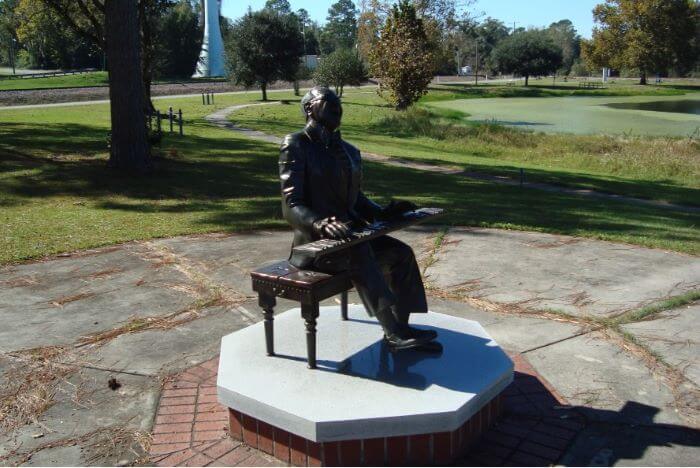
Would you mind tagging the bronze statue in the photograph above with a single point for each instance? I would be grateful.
(322, 198)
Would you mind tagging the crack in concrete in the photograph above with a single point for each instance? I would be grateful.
(546, 345)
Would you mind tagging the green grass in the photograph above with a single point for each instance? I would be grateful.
(57, 195)
(98, 78)
(651, 310)
(655, 168)
(69, 81)
(545, 88)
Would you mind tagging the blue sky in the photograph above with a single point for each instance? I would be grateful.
(523, 12)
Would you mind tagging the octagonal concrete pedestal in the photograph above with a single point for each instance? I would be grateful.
(363, 405)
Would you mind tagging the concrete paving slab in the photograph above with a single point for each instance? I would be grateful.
(88, 414)
(161, 352)
(229, 259)
(607, 383)
(514, 333)
(630, 445)
(579, 276)
(57, 301)
(675, 336)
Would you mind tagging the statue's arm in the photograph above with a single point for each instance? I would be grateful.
(292, 179)
(367, 209)
(371, 211)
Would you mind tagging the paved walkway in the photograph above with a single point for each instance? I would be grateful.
(91, 339)
(221, 119)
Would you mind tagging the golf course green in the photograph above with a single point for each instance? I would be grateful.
(587, 115)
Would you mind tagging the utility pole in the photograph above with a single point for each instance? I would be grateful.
(514, 23)
(476, 72)
(12, 54)
(457, 60)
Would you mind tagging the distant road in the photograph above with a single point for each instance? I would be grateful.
(170, 96)
(23, 71)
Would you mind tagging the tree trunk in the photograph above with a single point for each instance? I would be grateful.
(296, 87)
(129, 149)
(146, 54)
(643, 79)
(527, 79)
(263, 87)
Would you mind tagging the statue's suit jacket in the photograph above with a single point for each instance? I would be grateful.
(321, 176)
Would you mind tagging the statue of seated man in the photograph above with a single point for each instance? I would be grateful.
(322, 197)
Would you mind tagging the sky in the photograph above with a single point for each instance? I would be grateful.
(525, 13)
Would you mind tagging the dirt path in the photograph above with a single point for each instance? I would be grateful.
(220, 119)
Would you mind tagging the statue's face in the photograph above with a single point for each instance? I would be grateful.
(328, 112)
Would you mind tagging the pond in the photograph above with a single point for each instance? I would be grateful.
(681, 107)
(632, 115)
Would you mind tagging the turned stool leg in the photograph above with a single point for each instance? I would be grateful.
(310, 313)
(268, 306)
(344, 305)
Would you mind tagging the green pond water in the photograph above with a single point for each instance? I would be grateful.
(681, 107)
(635, 115)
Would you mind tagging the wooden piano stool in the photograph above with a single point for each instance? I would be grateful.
(308, 287)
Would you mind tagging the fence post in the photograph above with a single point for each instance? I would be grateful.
(212, 97)
(202, 97)
(179, 119)
(158, 120)
(207, 98)
(170, 117)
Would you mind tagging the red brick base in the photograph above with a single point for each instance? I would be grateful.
(191, 429)
(422, 449)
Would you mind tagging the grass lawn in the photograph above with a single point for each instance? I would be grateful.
(83, 80)
(663, 168)
(57, 195)
(69, 81)
(547, 88)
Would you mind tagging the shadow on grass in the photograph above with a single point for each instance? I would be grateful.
(214, 168)
(233, 183)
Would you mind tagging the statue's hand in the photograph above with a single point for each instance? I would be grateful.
(331, 228)
(397, 208)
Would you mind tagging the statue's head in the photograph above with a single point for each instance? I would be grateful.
(323, 106)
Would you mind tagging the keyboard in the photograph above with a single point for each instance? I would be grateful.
(323, 247)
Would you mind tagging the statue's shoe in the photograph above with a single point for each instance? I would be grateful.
(432, 347)
(397, 341)
(421, 334)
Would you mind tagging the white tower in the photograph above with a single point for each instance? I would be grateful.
(211, 58)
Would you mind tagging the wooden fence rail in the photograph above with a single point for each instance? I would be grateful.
(173, 118)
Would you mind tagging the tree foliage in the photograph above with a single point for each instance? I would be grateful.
(369, 23)
(644, 35)
(178, 39)
(280, 6)
(528, 53)
(264, 47)
(402, 58)
(565, 36)
(340, 68)
(340, 31)
(47, 43)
